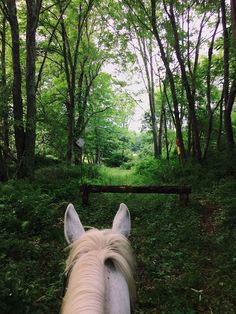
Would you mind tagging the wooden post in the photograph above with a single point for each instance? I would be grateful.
(85, 194)
(183, 198)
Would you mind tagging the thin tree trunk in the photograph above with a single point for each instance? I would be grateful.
(163, 121)
(227, 116)
(70, 129)
(4, 105)
(71, 62)
(97, 147)
(160, 130)
(228, 96)
(17, 81)
(208, 80)
(145, 49)
(69, 103)
(197, 50)
(85, 82)
(226, 52)
(153, 106)
(166, 134)
(39, 77)
(190, 143)
(25, 140)
(171, 79)
(168, 102)
(188, 42)
(220, 126)
(233, 15)
(33, 9)
(189, 94)
(3, 174)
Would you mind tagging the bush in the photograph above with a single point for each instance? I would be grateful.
(200, 176)
(159, 171)
(46, 161)
(116, 159)
(64, 172)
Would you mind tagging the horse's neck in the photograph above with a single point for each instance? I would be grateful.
(96, 289)
(86, 288)
(117, 293)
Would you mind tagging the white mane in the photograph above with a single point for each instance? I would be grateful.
(86, 292)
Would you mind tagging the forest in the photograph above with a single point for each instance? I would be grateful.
(122, 92)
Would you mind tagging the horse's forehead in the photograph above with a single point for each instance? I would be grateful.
(96, 234)
(106, 231)
(98, 231)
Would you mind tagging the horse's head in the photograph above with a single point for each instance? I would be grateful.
(100, 266)
(73, 228)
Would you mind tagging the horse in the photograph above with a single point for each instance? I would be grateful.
(100, 266)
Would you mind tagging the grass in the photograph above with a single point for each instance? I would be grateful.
(115, 176)
(185, 256)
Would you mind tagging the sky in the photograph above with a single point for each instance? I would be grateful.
(136, 86)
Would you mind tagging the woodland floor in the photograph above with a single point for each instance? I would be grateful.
(185, 256)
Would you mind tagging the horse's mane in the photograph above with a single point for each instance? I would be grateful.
(86, 264)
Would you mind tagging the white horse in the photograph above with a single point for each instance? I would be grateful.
(99, 267)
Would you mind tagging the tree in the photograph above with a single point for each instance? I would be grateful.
(24, 136)
(71, 57)
(233, 14)
(229, 93)
(146, 51)
(170, 76)
(4, 110)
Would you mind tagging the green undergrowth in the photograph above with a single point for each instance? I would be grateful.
(199, 176)
(185, 256)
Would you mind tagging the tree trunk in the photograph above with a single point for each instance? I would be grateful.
(170, 76)
(160, 130)
(146, 52)
(220, 127)
(70, 129)
(97, 147)
(4, 107)
(17, 81)
(151, 89)
(208, 81)
(233, 15)
(3, 173)
(189, 94)
(227, 116)
(81, 112)
(25, 140)
(190, 143)
(70, 63)
(166, 134)
(30, 134)
(228, 96)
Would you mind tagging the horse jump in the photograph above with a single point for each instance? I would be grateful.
(183, 191)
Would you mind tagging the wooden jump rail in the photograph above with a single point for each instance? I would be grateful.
(183, 191)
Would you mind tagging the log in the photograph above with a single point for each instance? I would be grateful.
(183, 191)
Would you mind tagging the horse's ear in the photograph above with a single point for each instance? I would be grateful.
(121, 222)
(73, 227)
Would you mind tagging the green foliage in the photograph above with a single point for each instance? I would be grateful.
(186, 172)
(26, 210)
(31, 240)
(182, 265)
(185, 256)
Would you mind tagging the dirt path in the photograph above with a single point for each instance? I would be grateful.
(208, 216)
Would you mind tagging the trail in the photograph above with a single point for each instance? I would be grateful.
(180, 251)
(117, 176)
